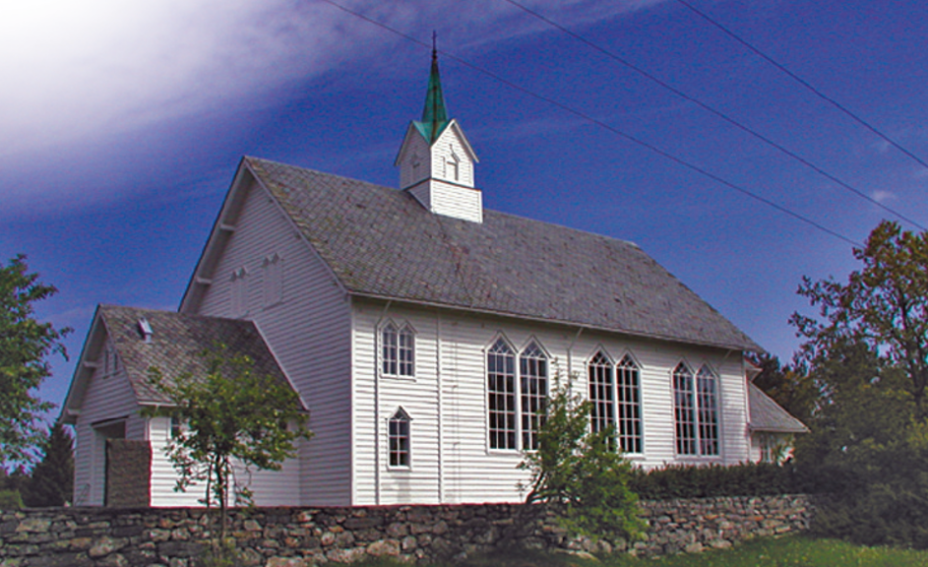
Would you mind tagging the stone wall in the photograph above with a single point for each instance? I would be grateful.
(298, 537)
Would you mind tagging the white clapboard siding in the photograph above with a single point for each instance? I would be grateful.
(163, 475)
(106, 397)
(443, 151)
(270, 488)
(309, 332)
(417, 161)
(469, 471)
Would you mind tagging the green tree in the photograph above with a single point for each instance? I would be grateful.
(867, 354)
(884, 305)
(230, 413)
(52, 479)
(788, 384)
(24, 345)
(579, 473)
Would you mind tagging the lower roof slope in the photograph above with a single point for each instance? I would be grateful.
(177, 344)
(381, 242)
(768, 416)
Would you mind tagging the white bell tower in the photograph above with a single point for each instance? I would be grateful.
(436, 161)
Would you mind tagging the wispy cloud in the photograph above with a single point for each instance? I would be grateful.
(881, 196)
(82, 70)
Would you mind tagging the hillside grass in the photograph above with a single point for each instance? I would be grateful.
(794, 551)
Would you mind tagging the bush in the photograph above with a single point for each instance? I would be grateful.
(877, 494)
(10, 500)
(579, 474)
(688, 481)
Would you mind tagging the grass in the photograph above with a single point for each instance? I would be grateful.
(783, 552)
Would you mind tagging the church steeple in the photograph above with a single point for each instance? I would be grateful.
(436, 161)
(434, 115)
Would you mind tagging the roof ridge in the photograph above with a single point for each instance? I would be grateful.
(492, 211)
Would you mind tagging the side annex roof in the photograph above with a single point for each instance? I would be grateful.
(768, 416)
(175, 346)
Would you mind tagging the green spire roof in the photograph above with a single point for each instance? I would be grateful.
(434, 115)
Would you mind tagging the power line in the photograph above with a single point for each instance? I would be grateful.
(805, 83)
(601, 124)
(716, 112)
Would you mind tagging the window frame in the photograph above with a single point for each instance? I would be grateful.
(509, 394)
(700, 432)
(403, 421)
(708, 432)
(394, 359)
(514, 410)
(533, 391)
(605, 397)
(635, 437)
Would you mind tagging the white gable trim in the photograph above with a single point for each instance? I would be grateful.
(453, 125)
(83, 370)
(219, 236)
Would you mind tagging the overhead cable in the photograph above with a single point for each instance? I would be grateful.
(716, 112)
(601, 124)
(805, 84)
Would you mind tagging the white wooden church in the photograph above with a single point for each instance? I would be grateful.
(422, 333)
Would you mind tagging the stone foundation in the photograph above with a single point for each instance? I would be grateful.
(299, 537)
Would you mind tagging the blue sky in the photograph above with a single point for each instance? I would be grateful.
(123, 123)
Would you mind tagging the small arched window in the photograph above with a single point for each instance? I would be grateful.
(398, 351)
(399, 437)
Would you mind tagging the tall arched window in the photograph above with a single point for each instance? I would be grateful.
(629, 398)
(406, 351)
(708, 418)
(602, 392)
(501, 395)
(696, 411)
(684, 410)
(533, 382)
(389, 347)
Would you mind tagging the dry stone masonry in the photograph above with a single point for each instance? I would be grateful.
(300, 537)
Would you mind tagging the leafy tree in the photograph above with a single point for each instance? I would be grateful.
(24, 345)
(788, 384)
(867, 354)
(230, 413)
(52, 480)
(580, 473)
(884, 306)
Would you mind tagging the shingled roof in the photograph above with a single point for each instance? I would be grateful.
(768, 416)
(381, 242)
(177, 344)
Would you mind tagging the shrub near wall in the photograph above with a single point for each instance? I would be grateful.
(689, 481)
(298, 537)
